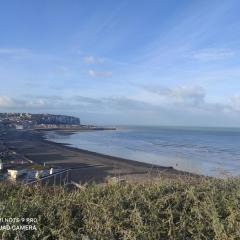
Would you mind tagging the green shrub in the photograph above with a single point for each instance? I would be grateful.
(177, 209)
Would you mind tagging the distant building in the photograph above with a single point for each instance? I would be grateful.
(16, 172)
(26, 120)
(19, 127)
(1, 165)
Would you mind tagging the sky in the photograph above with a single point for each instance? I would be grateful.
(148, 62)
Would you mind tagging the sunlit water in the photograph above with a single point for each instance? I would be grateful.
(208, 151)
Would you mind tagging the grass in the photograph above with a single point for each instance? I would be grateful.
(177, 209)
(38, 167)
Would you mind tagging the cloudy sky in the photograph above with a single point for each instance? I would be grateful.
(123, 62)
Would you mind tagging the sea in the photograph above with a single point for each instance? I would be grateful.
(206, 151)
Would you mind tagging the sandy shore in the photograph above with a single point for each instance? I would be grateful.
(88, 166)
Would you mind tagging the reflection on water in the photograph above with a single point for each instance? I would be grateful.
(208, 151)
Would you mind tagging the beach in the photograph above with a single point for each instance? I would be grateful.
(205, 151)
(86, 166)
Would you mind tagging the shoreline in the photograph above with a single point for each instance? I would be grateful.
(90, 166)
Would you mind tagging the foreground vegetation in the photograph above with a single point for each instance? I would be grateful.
(192, 209)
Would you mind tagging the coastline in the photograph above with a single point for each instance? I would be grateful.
(88, 166)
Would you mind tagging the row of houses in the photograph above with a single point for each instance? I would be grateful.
(28, 121)
(24, 171)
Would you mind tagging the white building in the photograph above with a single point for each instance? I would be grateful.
(19, 127)
(14, 173)
(1, 165)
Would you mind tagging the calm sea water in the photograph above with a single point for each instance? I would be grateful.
(208, 151)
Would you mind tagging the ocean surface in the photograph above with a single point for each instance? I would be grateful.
(208, 151)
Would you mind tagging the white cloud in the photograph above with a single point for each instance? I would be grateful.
(96, 74)
(14, 53)
(93, 60)
(6, 102)
(185, 95)
(212, 54)
(189, 95)
(235, 102)
(174, 106)
(10, 103)
(36, 103)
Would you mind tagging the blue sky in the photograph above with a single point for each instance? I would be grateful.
(123, 62)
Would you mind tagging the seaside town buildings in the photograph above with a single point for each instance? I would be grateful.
(16, 167)
(27, 121)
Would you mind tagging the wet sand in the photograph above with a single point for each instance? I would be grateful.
(87, 166)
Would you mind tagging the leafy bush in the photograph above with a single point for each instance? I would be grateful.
(177, 209)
